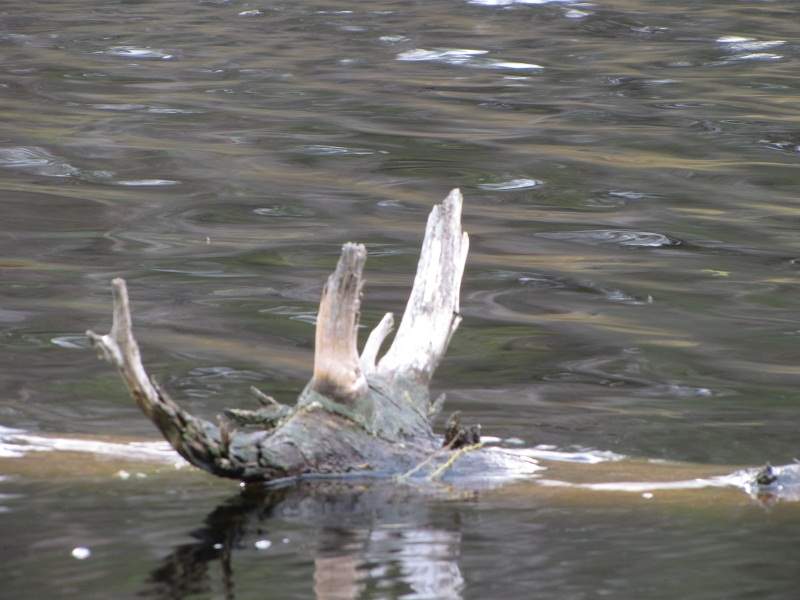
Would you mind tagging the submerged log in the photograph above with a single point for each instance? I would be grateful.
(358, 414)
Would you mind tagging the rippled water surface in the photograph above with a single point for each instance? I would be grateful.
(630, 170)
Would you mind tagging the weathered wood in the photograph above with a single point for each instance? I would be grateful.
(369, 355)
(353, 416)
(198, 441)
(337, 371)
(432, 314)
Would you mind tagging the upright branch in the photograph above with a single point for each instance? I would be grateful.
(337, 372)
(369, 355)
(432, 314)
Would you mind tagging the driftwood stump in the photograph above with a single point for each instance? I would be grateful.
(358, 414)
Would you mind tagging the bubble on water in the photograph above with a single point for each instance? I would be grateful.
(81, 552)
(218, 546)
(647, 495)
(262, 544)
(124, 475)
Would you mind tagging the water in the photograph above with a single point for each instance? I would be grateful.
(630, 170)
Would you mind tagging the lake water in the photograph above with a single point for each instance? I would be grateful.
(632, 190)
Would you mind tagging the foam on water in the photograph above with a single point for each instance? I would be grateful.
(15, 443)
(584, 456)
(786, 488)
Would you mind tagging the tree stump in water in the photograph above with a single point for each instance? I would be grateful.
(358, 414)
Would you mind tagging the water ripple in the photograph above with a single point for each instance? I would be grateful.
(323, 150)
(742, 44)
(37, 160)
(158, 110)
(511, 2)
(147, 182)
(463, 56)
(620, 237)
(452, 56)
(755, 56)
(138, 53)
(510, 185)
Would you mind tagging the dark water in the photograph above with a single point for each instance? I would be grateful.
(630, 170)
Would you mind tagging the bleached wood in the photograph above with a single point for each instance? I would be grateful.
(432, 313)
(369, 354)
(119, 347)
(337, 371)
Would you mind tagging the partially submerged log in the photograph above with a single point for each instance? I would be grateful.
(358, 414)
(361, 415)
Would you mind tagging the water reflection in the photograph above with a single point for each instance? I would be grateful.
(367, 537)
(217, 153)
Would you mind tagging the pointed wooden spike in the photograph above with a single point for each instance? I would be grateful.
(369, 354)
(432, 313)
(337, 372)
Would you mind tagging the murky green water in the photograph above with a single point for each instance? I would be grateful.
(632, 189)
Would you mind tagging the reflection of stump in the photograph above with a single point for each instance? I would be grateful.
(348, 529)
(358, 413)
